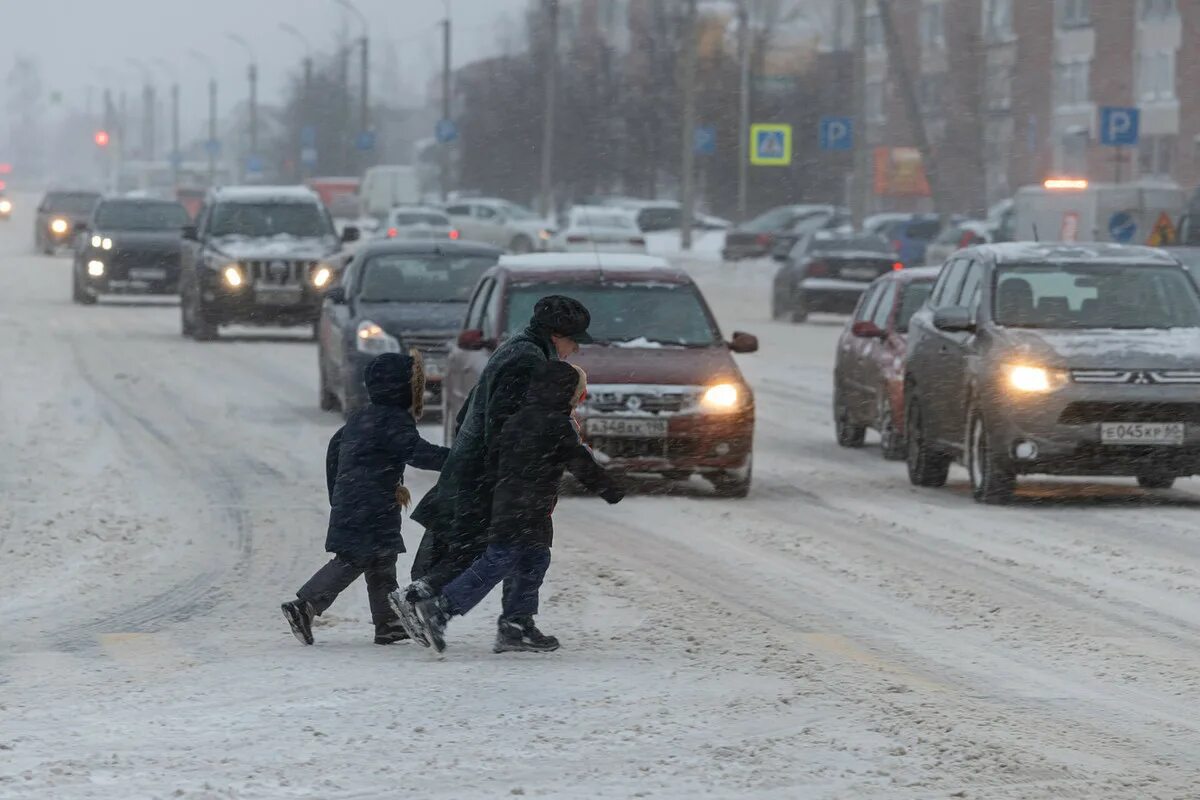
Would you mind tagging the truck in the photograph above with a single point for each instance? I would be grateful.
(389, 185)
(1074, 210)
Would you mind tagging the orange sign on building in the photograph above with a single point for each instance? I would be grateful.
(900, 173)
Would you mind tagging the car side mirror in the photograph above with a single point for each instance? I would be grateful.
(191, 233)
(743, 342)
(336, 295)
(955, 319)
(81, 227)
(351, 233)
(472, 340)
(865, 329)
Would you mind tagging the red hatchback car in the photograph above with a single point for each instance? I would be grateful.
(664, 394)
(868, 379)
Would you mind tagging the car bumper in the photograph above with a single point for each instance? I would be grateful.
(1065, 428)
(248, 305)
(131, 276)
(831, 295)
(736, 251)
(695, 443)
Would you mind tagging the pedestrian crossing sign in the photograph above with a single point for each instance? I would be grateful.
(771, 145)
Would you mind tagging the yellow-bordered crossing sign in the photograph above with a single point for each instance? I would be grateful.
(771, 145)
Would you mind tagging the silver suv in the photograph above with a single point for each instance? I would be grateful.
(1059, 359)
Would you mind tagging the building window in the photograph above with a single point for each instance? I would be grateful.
(933, 27)
(1074, 151)
(1074, 13)
(1156, 75)
(998, 21)
(1158, 10)
(874, 101)
(929, 93)
(998, 89)
(1155, 155)
(1071, 82)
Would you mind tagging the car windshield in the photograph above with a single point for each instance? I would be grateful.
(1095, 296)
(777, 219)
(71, 202)
(656, 313)
(140, 216)
(859, 244)
(421, 278)
(915, 295)
(420, 218)
(270, 219)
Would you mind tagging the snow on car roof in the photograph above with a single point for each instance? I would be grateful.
(1088, 252)
(605, 262)
(282, 194)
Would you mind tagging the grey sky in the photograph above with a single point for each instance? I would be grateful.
(88, 42)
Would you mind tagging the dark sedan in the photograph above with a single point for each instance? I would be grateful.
(395, 296)
(129, 246)
(828, 272)
(759, 236)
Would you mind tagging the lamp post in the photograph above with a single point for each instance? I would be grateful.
(176, 156)
(306, 101)
(147, 108)
(365, 67)
(252, 75)
(211, 144)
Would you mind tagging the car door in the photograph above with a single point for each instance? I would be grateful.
(961, 347)
(874, 351)
(936, 353)
(489, 223)
(852, 353)
(190, 250)
(460, 218)
(951, 356)
(336, 320)
(458, 380)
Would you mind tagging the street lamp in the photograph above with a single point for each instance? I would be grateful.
(306, 100)
(252, 74)
(148, 127)
(176, 157)
(211, 144)
(364, 111)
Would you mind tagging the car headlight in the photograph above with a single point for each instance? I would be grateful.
(1035, 380)
(232, 276)
(321, 276)
(722, 398)
(101, 242)
(371, 338)
(5, 206)
(95, 268)
(58, 225)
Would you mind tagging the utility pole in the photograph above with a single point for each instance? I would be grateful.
(860, 183)
(445, 146)
(743, 174)
(687, 139)
(176, 156)
(252, 75)
(148, 132)
(211, 145)
(306, 99)
(365, 69)
(546, 201)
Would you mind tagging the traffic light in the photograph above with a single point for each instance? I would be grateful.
(101, 138)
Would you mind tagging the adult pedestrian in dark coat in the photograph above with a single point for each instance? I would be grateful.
(456, 513)
(365, 473)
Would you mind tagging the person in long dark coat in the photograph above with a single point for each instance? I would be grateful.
(536, 445)
(364, 468)
(456, 512)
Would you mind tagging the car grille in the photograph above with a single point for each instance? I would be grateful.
(618, 399)
(632, 447)
(147, 259)
(278, 272)
(1144, 377)
(1085, 413)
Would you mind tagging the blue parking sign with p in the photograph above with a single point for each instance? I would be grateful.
(1119, 126)
(837, 133)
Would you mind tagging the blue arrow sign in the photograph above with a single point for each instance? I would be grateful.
(704, 140)
(1119, 126)
(365, 141)
(308, 136)
(1122, 227)
(837, 133)
(308, 156)
(254, 165)
(445, 131)
(213, 146)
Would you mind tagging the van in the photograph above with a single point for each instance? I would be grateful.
(1065, 210)
(389, 185)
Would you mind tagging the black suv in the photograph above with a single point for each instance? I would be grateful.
(260, 255)
(1058, 359)
(129, 246)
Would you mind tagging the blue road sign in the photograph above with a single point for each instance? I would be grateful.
(445, 131)
(308, 156)
(308, 136)
(177, 159)
(837, 133)
(1122, 227)
(365, 141)
(213, 146)
(704, 140)
(1119, 126)
(254, 165)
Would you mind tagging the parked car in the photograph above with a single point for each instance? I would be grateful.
(129, 246)
(656, 215)
(58, 214)
(589, 229)
(756, 238)
(828, 272)
(868, 376)
(258, 255)
(878, 224)
(837, 221)
(1060, 359)
(953, 238)
(910, 236)
(417, 222)
(500, 223)
(395, 295)
(665, 396)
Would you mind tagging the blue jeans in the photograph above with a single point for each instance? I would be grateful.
(521, 568)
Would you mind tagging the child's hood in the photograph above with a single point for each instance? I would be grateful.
(389, 380)
(553, 386)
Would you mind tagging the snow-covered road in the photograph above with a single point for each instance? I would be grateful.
(837, 635)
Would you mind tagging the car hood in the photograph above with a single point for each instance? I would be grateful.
(170, 241)
(650, 364)
(1174, 348)
(399, 318)
(282, 246)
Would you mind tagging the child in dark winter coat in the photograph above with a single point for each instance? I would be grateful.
(364, 468)
(535, 446)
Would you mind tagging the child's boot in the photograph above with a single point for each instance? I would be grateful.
(433, 614)
(299, 614)
(520, 634)
(406, 610)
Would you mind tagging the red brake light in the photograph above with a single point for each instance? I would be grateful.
(453, 234)
(897, 265)
(818, 269)
(577, 239)
(765, 239)
(393, 233)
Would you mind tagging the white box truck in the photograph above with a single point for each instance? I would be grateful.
(389, 185)
(1069, 210)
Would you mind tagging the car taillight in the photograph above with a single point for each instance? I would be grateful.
(639, 241)
(818, 269)
(393, 233)
(453, 234)
(764, 239)
(577, 239)
(897, 265)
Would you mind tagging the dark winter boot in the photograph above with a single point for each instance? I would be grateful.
(299, 614)
(407, 611)
(519, 634)
(391, 633)
(433, 615)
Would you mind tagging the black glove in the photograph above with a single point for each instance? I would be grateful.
(612, 495)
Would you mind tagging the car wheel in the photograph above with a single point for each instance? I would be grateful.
(891, 443)
(993, 479)
(1156, 480)
(734, 483)
(800, 311)
(926, 466)
(78, 293)
(520, 244)
(199, 326)
(328, 400)
(848, 434)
